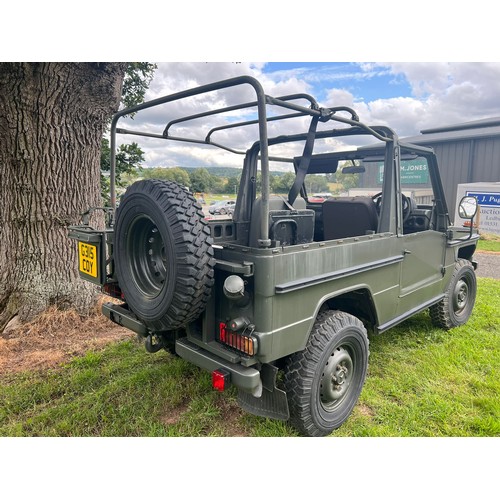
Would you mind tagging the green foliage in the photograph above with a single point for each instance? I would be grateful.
(217, 184)
(345, 181)
(128, 165)
(175, 174)
(223, 172)
(138, 76)
(232, 185)
(201, 180)
(282, 183)
(422, 381)
(129, 157)
(316, 184)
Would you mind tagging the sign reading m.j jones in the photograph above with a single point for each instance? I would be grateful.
(489, 204)
(412, 172)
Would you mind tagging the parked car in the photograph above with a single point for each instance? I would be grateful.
(222, 207)
(320, 197)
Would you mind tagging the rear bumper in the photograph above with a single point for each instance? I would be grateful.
(245, 378)
(120, 315)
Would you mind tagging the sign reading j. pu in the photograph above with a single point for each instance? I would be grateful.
(489, 204)
(486, 199)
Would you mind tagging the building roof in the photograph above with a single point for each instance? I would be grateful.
(485, 122)
(488, 127)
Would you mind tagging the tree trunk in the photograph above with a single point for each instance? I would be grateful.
(52, 119)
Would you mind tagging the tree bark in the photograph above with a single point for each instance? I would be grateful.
(52, 119)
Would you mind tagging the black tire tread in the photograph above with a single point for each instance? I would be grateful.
(300, 367)
(194, 253)
(440, 313)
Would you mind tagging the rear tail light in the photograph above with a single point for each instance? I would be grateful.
(239, 341)
(220, 379)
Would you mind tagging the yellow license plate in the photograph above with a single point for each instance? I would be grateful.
(88, 258)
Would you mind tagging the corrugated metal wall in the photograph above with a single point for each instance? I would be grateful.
(453, 159)
(468, 152)
(486, 160)
(470, 160)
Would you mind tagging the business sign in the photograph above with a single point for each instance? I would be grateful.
(412, 172)
(486, 199)
(489, 205)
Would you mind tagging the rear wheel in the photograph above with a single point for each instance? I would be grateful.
(456, 306)
(163, 254)
(323, 382)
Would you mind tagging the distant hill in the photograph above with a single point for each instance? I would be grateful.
(226, 171)
(218, 171)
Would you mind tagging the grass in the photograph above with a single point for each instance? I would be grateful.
(489, 242)
(428, 382)
(422, 381)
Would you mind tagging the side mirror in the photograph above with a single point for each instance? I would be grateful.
(467, 208)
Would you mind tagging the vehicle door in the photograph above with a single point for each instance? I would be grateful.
(422, 232)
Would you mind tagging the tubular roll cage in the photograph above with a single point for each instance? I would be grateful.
(314, 111)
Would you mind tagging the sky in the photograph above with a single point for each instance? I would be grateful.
(406, 96)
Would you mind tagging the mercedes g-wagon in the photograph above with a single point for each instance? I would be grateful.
(278, 298)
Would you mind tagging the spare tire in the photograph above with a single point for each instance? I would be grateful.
(163, 254)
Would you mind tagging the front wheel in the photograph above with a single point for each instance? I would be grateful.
(323, 382)
(456, 306)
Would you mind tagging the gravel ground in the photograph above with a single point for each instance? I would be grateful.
(488, 265)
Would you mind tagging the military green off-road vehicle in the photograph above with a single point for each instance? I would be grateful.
(278, 298)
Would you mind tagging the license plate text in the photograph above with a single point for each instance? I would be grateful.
(88, 258)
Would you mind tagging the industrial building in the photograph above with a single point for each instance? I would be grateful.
(467, 153)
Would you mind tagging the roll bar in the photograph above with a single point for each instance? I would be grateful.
(261, 103)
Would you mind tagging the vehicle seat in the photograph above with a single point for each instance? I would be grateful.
(345, 217)
(286, 226)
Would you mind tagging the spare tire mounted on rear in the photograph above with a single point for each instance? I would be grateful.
(163, 254)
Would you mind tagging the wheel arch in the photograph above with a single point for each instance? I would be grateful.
(356, 301)
(466, 252)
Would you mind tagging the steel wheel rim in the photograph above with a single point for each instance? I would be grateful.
(148, 263)
(336, 378)
(460, 296)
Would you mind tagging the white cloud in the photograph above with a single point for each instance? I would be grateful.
(440, 94)
(176, 77)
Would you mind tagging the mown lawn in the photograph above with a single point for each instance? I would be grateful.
(422, 381)
(489, 245)
(489, 242)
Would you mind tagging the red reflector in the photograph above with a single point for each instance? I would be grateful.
(220, 379)
(222, 332)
